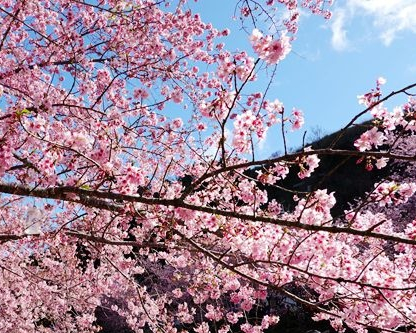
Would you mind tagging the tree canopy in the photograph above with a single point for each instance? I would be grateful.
(129, 181)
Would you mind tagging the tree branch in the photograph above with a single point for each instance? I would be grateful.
(98, 199)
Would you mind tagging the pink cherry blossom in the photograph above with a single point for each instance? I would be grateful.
(131, 184)
(297, 120)
(368, 140)
(270, 50)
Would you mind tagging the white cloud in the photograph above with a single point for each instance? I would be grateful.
(387, 17)
(339, 39)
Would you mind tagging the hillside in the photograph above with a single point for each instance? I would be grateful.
(343, 175)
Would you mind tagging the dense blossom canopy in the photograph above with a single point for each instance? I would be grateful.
(127, 131)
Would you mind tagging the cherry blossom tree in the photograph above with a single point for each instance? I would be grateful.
(126, 130)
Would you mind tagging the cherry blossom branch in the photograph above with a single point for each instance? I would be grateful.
(294, 156)
(6, 33)
(209, 254)
(372, 106)
(14, 16)
(326, 277)
(281, 289)
(102, 240)
(91, 238)
(93, 198)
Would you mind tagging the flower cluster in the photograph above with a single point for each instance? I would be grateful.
(268, 49)
(316, 208)
(307, 164)
(372, 138)
(373, 96)
(297, 119)
(240, 65)
(6, 157)
(393, 193)
(244, 125)
(271, 175)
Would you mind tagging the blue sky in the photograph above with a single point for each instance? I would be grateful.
(334, 61)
